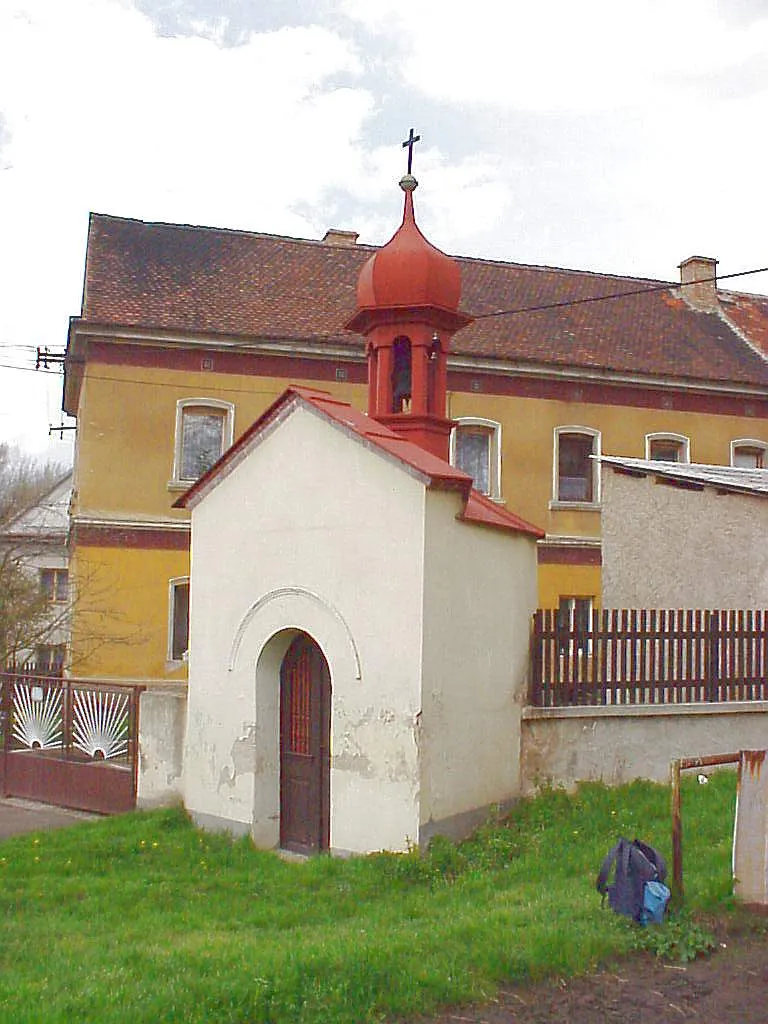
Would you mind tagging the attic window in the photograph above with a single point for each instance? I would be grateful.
(749, 454)
(667, 448)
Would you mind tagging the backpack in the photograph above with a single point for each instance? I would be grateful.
(638, 889)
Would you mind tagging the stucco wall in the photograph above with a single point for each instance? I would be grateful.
(479, 595)
(562, 746)
(665, 547)
(313, 531)
(162, 721)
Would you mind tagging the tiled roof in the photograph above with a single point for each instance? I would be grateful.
(724, 478)
(436, 473)
(193, 279)
(749, 313)
(48, 518)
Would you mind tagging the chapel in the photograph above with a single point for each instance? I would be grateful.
(359, 614)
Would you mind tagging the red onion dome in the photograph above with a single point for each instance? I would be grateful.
(409, 270)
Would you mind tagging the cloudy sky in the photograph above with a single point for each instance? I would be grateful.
(605, 135)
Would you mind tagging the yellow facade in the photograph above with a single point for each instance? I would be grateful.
(120, 628)
(124, 468)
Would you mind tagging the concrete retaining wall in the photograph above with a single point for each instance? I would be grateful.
(563, 746)
(558, 746)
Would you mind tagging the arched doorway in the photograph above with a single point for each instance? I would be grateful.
(305, 747)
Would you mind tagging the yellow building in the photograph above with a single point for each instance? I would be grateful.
(187, 334)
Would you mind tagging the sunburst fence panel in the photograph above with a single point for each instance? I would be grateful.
(82, 720)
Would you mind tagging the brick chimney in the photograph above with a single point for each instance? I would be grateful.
(699, 285)
(335, 236)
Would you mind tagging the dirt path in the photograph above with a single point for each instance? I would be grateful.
(730, 987)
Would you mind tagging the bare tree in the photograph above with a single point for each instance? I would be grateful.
(23, 481)
(27, 617)
(39, 604)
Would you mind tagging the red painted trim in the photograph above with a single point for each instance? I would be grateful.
(93, 535)
(558, 554)
(242, 363)
(323, 369)
(603, 393)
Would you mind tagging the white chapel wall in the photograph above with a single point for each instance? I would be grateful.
(312, 531)
(480, 593)
(666, 547)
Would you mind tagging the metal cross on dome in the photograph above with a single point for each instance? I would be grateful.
(409, 143)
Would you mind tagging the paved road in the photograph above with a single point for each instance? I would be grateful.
(18, 816)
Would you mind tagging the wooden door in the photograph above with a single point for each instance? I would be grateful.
(305, 742)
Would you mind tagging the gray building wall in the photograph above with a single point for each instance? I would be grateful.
(666, 546)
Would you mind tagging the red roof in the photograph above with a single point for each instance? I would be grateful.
(750, 315)
(435, 472)
(255, 286)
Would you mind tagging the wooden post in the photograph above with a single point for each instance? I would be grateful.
(683, 764)
(677, 837)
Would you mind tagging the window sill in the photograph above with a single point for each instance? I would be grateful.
(574, 506)
(179, 485)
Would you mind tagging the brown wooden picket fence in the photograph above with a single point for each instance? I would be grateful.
(648, 656)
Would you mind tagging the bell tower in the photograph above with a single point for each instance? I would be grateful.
(407, 309)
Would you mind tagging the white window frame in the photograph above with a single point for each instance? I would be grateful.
(749, 442)
(665, 435)
(557, 502)
(571, 601)
(493, 429)
(59, 580)
(182, 405)
(173, 584)
(57, 656)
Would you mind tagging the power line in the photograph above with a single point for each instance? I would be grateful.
(479, 316)
(156, 383)
(615, 295)
(29, 369)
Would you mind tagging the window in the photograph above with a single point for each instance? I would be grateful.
(574, 620)
(204, 429)
(49, 659)
(476, 449)
(401, 375)
(54, 584)
(749, 454)
(667, 448)
(576, 473)
(178, 619)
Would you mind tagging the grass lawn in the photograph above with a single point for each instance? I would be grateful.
(143, 918)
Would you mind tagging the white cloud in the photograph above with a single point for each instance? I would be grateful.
(599, 134)
(557, 54)
(99, 113)
(121, 115)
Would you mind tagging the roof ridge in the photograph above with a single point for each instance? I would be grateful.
(243, 232)
(547, 267)
(372, 246)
